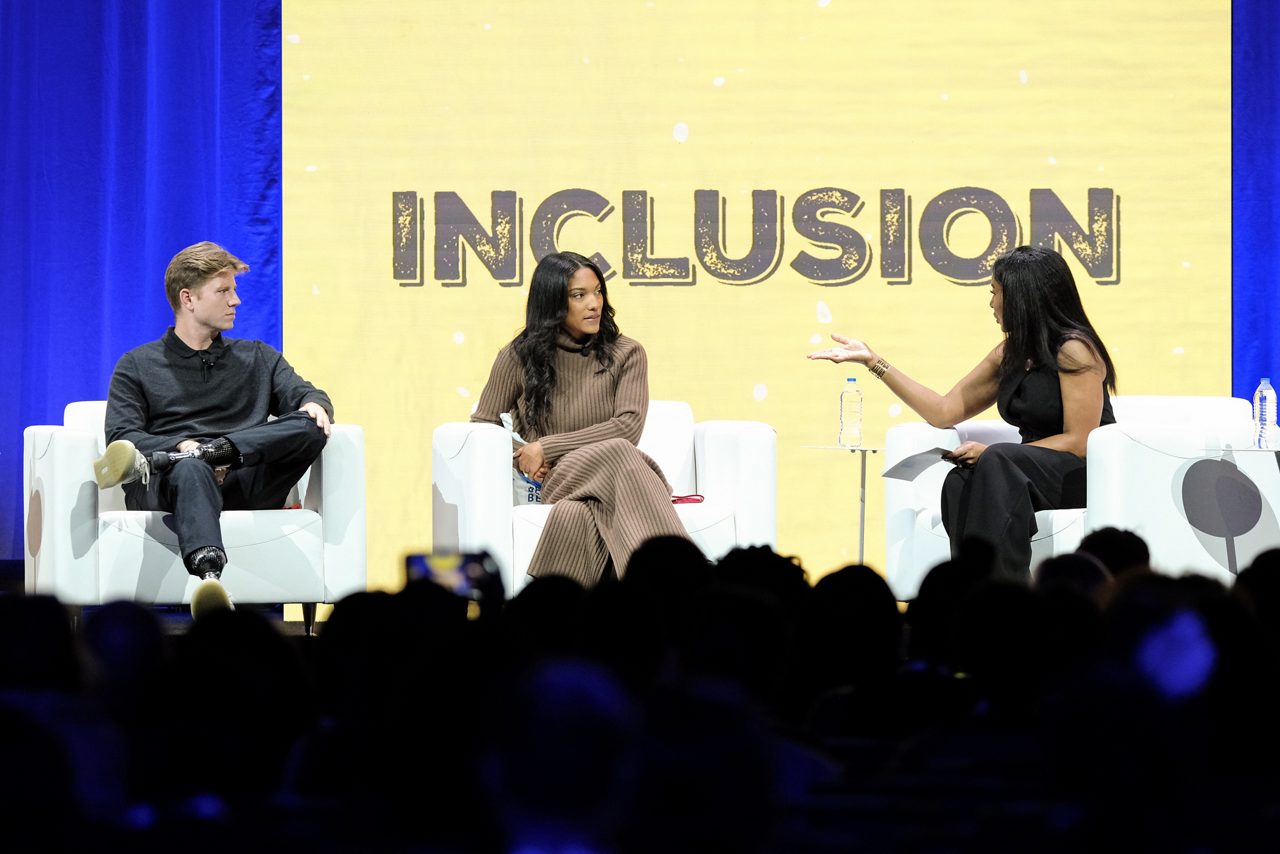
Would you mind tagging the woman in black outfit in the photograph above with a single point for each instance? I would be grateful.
(1049, 377)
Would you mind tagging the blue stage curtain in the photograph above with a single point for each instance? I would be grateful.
(1255, 194)
(130, 129)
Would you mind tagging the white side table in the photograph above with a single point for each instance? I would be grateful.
(862, 485)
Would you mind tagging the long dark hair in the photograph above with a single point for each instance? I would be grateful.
(1042, 311)
(544, 315)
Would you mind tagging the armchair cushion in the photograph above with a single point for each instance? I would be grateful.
(139, 558)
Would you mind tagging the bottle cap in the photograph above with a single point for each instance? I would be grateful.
(851, 380)
(1266, 379)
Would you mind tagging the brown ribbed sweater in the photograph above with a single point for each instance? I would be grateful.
(608, 496)
(590, 403)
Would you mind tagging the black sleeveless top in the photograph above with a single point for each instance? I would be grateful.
(1032, 401)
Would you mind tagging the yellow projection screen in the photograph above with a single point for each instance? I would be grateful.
(754, 176)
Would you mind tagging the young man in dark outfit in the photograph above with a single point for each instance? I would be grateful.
(187, 419)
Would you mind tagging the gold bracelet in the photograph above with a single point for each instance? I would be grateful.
(880, 368)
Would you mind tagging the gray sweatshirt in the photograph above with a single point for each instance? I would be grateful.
(163, 392)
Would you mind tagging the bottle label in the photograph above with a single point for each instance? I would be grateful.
(850, 432)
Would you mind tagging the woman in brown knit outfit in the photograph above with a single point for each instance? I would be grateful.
(578, 391)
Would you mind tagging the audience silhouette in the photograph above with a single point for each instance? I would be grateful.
(691, 707)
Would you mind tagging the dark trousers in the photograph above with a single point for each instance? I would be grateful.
(996, 500)
(276, 455)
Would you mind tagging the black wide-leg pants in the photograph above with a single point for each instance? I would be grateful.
(997, 498)
(276, 455)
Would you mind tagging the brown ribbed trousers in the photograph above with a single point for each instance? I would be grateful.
(608, 499)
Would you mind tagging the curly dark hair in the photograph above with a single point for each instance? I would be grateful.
(1042, 311)
(544, 316)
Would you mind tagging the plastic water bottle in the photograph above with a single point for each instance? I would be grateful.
(850, 435)
(1264, 416)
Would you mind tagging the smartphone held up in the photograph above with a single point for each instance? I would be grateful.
(473, 576)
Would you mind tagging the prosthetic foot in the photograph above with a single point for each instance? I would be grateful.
(123, 463)
(209, 595)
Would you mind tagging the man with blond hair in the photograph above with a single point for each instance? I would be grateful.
(187, 419)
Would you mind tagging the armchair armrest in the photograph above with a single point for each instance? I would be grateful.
(909, 497)
(335, 490)
(737, 462)
(1131, 466)
(912, 509)
(903, 440)
(1189, 491)
(988, 431)
(471, 491)
(60, 513)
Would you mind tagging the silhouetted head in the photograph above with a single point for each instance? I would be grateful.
(37, 647)
(1162, 629)
(762, 568)
(126, 653)
(563, 769)
(360, 655)
(1080, 573)
(944, 588)
(1258, 588)
(743, 634)
(625, 629)
(544, 620)
(999, 637)
(708, 777)
(1120, 551)
(37, 788)
(243, 688)
(852, 628)
(667, 565)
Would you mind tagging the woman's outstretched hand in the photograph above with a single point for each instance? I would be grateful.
(850, 350)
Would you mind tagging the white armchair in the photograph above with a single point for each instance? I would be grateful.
(85, 548)
(915, 540)
(732, 463)
(1190, 484)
